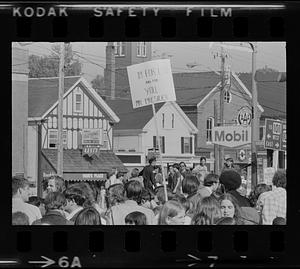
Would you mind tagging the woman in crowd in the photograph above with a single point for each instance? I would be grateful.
(88, 216)
(230, 208)
(172, 213)
(210, 207)
(136, 218)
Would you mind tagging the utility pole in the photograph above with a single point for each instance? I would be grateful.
(254, 122)
(60, 110)
(221, 148)
(216, 147)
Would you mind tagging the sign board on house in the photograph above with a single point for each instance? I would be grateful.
(268, 175)
(231, 136)
(91, 137)
(151, 82)
(275, 136)
(85, 176)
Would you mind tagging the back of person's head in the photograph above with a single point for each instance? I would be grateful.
(183, 200)
(160, 194)
(230, 179)
(135, 172)
(176, 166)
(151, 160)
(119, 175)
(169, 210)
(279, 178)
(226, 221)
(35, 200)
(54, 200)
(258, 190)
(88, 216)
(210, 179)
(136, 218)
(88, 193)
(210, 207)
(115, 194)
(279, 221)
(146, 196)
(18, 182)
(194, 200)
(74, 193)
(201, 219)
(190, 184)
(202, 158)
(19, 218)
(134, 191)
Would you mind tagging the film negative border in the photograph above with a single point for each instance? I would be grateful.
(158, 246)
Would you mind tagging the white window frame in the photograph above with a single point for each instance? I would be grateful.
(209, 129)
(227, 96)
(186, 140)
(119, 48)
(75, 102)
(55, 131)
(141, 49)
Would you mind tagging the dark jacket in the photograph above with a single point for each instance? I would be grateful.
(149, 179)
(242, 201)
(53, 217)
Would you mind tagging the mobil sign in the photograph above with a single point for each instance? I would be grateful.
(231, 136)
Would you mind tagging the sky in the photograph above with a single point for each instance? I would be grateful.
(271, 54)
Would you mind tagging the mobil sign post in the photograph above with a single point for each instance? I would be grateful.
(231, 136)
(275, 136)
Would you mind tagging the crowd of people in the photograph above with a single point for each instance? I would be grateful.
(191, 197)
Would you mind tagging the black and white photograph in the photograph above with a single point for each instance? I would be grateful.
(149, 133)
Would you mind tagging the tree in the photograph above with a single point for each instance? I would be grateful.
(98, 85)
(47, 66)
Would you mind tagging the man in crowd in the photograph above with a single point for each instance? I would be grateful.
(135, 176)
(55, 183)
(75, 199)
(20, 196)
(272, 203)
(133, 191)
(211, 184)
(149, 175)
(201, 170)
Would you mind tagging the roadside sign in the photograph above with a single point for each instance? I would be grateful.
(231, 136)
(244, 116)
(275, 136)
(151, 82)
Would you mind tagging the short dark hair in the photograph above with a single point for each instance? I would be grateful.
(279, 178)
(136, 218)
(35, 200)
(135, 172)
(134, 191)
(202, 158)
(88, 216)
(19, 218)
(59, 183)
(18, 182)
(190, 184)
(152, 159)
(279, 221)
(76, 194)
(182, 163)
(54, 200)
(210, 179)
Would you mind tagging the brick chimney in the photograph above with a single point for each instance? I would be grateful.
(109, 72)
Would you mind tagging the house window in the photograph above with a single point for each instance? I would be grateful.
(186, 145)
(119, 48)
(163, 120)
(78, 102)
(173, 120)
(141, 49)
(227, 96)
(53, 138)
(261, 132)
(105, 140)
(162, 144)
(209, 125)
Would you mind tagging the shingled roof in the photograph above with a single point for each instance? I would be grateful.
(131, 118)
(271, 95)
(43, 93)
(74, 162)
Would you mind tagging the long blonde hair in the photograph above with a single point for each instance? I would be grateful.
(169, 209)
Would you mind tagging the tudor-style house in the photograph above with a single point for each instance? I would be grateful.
(83, 111)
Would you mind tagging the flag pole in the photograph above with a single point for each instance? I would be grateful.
(159, 152)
